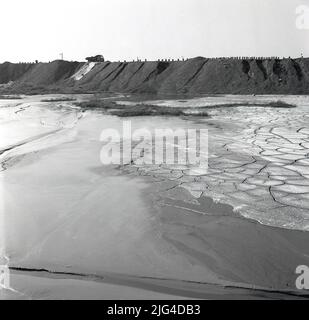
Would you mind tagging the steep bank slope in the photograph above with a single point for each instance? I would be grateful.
(194, 76)
(36, 77)
(12, 71)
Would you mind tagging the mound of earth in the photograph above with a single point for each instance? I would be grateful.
(194, 76)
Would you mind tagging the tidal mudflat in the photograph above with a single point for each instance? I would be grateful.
(237, 231)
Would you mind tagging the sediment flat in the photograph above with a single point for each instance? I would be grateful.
(73, 225)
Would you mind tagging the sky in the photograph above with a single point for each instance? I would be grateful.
(149, 29)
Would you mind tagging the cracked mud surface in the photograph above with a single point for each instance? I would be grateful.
(258, 157)
(258, 162)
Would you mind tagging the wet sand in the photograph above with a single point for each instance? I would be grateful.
(235, 248)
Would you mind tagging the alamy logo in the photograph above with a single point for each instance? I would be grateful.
(302, 19)
(302, 281)
(4, 277)
(157, 146)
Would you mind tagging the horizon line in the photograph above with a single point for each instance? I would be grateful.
(168, 59)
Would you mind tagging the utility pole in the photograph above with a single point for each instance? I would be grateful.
(61, 56)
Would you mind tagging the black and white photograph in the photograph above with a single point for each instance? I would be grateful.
(154, 150)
